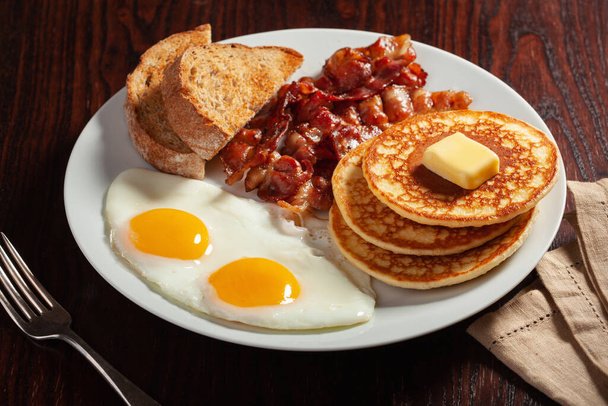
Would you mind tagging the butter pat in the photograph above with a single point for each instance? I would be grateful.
(461, 160)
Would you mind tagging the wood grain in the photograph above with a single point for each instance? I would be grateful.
(63, 59)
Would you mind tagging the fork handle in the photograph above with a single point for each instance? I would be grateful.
(127, 390)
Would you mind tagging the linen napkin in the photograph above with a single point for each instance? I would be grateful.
(554, 333)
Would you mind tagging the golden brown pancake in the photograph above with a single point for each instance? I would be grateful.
(425, 272)
(376, 223)
(396, 176)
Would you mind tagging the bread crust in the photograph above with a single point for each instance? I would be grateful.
(187, 164)
(243, 79)
(153, 137)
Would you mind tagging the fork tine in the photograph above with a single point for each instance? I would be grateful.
(10, 309)
(14, 294)
(19, 282)
(28, 274)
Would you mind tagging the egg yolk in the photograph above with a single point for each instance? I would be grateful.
(250, 282)
(169, 233)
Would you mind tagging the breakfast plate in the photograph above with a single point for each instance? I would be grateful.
(104, 150)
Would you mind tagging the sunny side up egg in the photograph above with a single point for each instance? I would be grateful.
(226, 256)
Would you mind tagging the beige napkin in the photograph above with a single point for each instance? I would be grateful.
(554, 334)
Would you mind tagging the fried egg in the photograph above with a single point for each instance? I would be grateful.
(227, 256)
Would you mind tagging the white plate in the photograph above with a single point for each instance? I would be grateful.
(104, 150)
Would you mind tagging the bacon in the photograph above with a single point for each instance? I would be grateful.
(412, 76)
(283, 180)
(450, 100)
(461, 100)
(299, 147)
(348, 113)
(344, 139)
(308, 108)
(421, 100)
(289, 150)
(293, 142)
(397, 103)
(299, 202)
(255, 177)
(393, 47)
(315, 193)
(348, 68)
(279, 121)
(326, 121)
(312, 134)
(240, 150)
(372, 112)
(320, 195)
(441, 100)
(323, 83)
(247, 150)
(425, 101)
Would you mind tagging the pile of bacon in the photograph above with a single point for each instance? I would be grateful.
(289, 150)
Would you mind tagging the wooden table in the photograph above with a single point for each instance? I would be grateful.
(61, 60)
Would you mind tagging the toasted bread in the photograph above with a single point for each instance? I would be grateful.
(150, 132)
(212, 91)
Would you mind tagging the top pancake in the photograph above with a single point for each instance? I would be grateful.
(395, 174)
(376, 223)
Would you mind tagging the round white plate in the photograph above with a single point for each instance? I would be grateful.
(103, 150)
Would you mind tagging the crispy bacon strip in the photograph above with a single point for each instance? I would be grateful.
(289, 150)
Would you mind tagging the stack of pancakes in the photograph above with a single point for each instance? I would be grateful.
(399, 222)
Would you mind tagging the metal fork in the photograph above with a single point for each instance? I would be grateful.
(40, 316)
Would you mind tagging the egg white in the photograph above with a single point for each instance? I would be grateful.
(238, 228)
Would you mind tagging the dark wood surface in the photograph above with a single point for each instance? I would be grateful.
(61, 60)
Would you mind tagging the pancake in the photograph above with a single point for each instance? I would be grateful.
(395, 174)
(425, 272)
(376, 223)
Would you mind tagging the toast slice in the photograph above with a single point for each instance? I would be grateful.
(212, 91)
(150, 132)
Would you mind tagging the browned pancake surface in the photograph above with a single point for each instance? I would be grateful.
(424, 272)
(528, 169)
(376, 223)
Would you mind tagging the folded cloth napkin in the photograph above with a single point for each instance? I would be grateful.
(554, 333)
